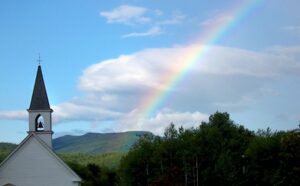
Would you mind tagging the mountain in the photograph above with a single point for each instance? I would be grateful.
(7, 146)
(5, 149)
(97, 143)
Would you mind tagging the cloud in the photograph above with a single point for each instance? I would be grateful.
(291, 51)
(79, 111)
(151, 32)
(237, 105)
(223, 78)
(15, 115)
(146, 69)
(292, 28)
(73, 132)
(126, 14)
(161, 120)
(141, 16)
(290, 54)
(216, 20)
(158, 12)
(176, 18)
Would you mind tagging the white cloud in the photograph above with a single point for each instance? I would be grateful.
(222, 78)
(139, 16)
(76, 132)
(234, 72)
(176, 18)
(15, 115)
(161, 120)
(72, 111)
(217, 20)
(147, 68)
(292, 28)
(158, 12)
(126, 14)
(151, 32)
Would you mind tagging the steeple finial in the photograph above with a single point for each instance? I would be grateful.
(39, 60)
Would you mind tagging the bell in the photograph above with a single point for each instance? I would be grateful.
(40, 125)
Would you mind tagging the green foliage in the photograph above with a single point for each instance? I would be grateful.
(109, 160)
(218, 152)
(274, 158)
(93, 174)
(5, 149)
(95, 169)
(290, 152)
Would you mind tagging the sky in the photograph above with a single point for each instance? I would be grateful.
(124, 65)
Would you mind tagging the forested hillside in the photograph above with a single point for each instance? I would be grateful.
(101, 149)
(108, 160)
(97, 143)
(217, 152)
(5, 149)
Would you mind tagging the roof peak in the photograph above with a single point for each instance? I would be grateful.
(39, 99)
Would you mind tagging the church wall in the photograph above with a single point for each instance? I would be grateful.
(46, 137)
(34, 165)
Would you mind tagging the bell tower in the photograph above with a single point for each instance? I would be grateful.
(40, 113)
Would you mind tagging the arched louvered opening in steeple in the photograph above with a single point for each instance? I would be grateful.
(39, 123)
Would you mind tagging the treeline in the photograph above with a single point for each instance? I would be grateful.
(95, 169)
(108, 160)
(95, 175)
(218, 152)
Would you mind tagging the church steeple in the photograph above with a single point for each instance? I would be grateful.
(39, 99)
(40, 113)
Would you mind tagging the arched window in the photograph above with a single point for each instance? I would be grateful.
(39, 123)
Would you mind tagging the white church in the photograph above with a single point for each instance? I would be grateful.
(33, 162)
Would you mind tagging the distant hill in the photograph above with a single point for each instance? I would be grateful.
(103, 149)
(97, 143)
(7, 146)
(90, 143)
(5, 149)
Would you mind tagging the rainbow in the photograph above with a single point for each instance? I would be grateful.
(217, 29)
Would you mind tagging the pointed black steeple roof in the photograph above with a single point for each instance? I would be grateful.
(39, 99)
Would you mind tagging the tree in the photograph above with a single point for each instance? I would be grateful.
(290, 158)
(218, 152)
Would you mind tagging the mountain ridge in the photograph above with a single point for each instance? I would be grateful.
(97, 143)
(90, 143)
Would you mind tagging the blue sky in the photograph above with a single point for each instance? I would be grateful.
(101, 57)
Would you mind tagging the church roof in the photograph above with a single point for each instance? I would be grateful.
(39, 99)
(43, 145)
